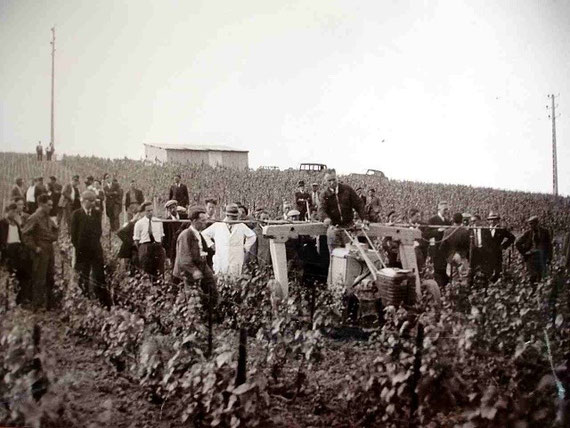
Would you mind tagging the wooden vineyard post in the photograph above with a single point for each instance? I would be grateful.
(210, 321)
(312, 302)
(415, 378)
(6, 301)
(242, 357)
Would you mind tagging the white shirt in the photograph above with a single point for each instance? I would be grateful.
(30, 194)
(13, 236)
(493, 232)
(141, 230)
(231, 246)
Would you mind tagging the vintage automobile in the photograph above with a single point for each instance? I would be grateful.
(312, 167)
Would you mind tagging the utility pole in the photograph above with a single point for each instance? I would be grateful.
(554, 158)
(52, 140)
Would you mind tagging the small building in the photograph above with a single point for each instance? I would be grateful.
(197, 154)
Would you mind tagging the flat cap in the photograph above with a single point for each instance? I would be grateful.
(170, 203)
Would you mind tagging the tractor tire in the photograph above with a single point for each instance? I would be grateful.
(433, 292)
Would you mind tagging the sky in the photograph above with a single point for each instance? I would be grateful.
(438, 91)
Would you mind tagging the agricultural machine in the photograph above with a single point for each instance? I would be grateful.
(358, 268)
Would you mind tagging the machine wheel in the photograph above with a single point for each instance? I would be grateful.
(433, 292)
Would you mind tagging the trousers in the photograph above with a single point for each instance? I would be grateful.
(151, 258)
(18, 263)
(90, 269)
(43, 267)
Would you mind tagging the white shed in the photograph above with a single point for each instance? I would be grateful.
(197, 154)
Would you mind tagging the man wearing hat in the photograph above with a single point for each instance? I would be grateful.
(148, 235)
(302, 200)
(70, 200)
(182, 213)
(293, 215)
(133, 196)
(232, 242)
(86, 234)
(535, 245)
(191, 263)
(494, 241)
(170, 229)
(435, 235)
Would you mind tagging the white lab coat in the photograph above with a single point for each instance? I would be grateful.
(230, 248)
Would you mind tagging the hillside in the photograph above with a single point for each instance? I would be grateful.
(268, 189)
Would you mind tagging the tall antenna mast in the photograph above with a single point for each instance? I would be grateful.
(52, 139)
(554, 157)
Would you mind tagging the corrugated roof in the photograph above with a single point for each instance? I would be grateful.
(209, 148)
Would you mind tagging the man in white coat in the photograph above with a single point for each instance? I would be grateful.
(232, 242)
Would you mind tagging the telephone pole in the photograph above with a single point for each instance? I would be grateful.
(52, 139)
(554, 158)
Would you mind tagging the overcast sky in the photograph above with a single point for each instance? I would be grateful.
(443, 91)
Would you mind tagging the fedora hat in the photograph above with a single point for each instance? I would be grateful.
(232, 209)
(493, 216)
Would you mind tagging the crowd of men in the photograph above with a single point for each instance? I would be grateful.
(196, 244)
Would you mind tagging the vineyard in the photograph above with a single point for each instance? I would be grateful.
(495, 356)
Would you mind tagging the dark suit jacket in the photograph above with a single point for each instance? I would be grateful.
(188, 257)
(18, 192)
(67, 201)
(4, 225)
(455, 240)
(495, 246)
(55, 195)
(86, 233)
(301, 199)
(435, 233)
(125, 234)
(346, 200)
(139, 198)
(171, 233)
(541, 242)
(180, 194)
(438, 256)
